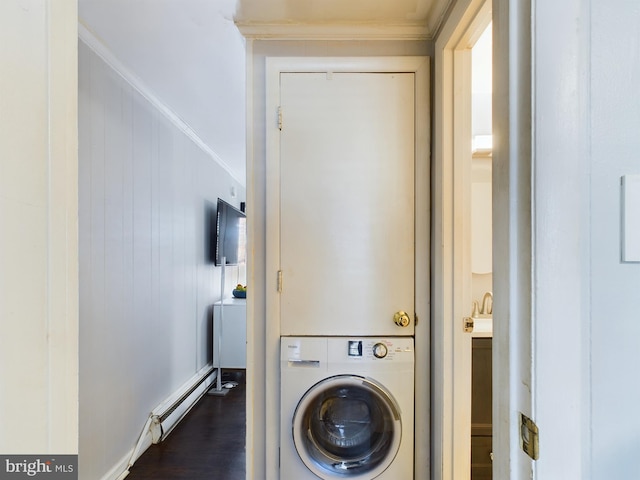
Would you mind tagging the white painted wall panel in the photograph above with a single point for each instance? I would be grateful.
(586, 307)
(38, 227)
(147, 281)
(560, 246)
(615, 286)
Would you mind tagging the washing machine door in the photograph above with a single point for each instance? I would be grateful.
(347, 426)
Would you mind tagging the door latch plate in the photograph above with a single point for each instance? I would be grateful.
(467, 324)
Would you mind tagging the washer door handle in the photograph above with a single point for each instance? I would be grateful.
(296, 362)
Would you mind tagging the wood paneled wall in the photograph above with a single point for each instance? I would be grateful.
(147, 200)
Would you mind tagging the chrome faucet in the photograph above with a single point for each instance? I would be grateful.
(487, 304)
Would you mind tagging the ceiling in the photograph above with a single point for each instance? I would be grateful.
(190, 54)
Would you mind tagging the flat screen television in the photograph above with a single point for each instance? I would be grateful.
(230, 235)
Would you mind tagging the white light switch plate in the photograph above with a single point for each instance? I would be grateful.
(631, 218)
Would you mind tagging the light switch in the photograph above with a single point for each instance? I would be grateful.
(631, 218)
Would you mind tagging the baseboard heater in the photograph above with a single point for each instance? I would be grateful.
(164, 418)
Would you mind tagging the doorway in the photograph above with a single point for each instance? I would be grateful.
(453, 289)
(481, 322)
(512, 356)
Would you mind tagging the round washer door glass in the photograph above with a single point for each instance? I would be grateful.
(347, 426)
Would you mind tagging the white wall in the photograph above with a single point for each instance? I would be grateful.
(147, 200)
(38, 227)
(586, 323)
(262, 397)
(190, 54)
(615, 287)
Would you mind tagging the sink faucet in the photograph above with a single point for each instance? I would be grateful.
(476, 310)
(487, 304)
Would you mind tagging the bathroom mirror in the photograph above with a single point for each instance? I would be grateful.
(481, 216)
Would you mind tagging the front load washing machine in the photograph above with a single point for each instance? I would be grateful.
(346, 408)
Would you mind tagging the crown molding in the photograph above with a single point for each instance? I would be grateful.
(98, 46)
(333, 31)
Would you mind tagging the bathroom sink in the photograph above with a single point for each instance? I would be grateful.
(483, 326)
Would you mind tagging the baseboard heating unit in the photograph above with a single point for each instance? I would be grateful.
(163, 419)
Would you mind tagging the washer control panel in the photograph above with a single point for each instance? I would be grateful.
(377, 348)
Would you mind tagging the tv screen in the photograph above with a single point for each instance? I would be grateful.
(230, 235)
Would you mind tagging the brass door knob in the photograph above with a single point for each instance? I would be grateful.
(401, 319)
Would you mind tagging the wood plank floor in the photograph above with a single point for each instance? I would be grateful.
(209, 443)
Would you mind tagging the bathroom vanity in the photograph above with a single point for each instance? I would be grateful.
(481, 399)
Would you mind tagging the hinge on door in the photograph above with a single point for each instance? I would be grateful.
(280, 118)
(467, 324)
(279, 281)
(529, 436)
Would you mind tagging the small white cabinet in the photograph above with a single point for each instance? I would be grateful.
(230, 334)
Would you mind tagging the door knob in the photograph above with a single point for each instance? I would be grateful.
(401, 319)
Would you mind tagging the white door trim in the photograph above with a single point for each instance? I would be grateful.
(513, 203)
(512, 233)
(451, 409)
(421, 67)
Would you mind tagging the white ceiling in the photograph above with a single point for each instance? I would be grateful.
(191, 56)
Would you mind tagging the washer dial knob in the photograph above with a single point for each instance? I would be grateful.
(380, 350)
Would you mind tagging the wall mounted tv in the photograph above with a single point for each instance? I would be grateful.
(230, 235)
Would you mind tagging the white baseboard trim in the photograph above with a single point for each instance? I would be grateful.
(119, 470)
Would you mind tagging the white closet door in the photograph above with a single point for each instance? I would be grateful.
(347, 203)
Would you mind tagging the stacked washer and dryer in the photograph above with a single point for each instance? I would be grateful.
(345, 245)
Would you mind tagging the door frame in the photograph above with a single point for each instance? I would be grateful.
(452, 246)
(512, 232)
(420, 66)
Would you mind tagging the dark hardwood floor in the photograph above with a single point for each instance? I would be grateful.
(209, 443)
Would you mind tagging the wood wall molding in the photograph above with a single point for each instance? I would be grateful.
(344, 31)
